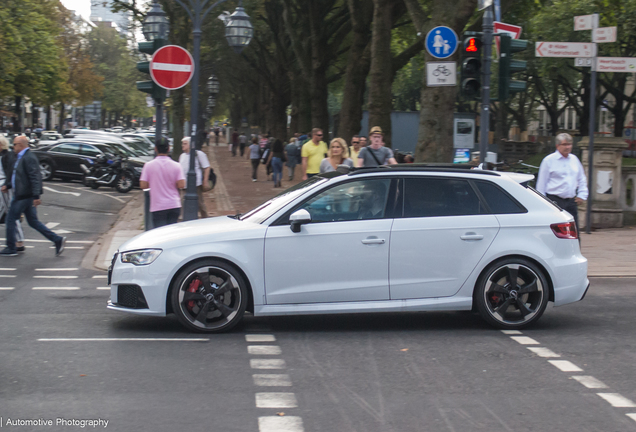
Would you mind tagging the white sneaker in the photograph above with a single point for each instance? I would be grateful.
(253, 179)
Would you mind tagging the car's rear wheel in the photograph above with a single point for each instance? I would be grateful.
(46, 169)
(209, 296)
(512, 293)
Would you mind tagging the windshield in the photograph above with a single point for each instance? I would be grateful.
(125, 150)
(265, 210)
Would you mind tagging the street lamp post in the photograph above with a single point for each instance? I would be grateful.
(155, 27)
(238, 32)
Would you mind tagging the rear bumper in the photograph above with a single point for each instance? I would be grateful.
(570, 280)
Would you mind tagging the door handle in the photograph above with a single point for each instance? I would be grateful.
(471, 236)
(368, 241)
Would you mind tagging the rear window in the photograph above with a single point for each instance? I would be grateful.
(498, 200)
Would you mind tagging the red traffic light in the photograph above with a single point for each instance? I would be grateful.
(472, 45)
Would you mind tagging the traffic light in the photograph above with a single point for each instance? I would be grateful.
(150, 86)
(508, 66)
(471, 68)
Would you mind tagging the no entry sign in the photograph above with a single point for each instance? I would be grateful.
(171, 67)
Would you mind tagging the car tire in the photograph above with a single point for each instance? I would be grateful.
(512, 293)
(209, 296)
(46, 169)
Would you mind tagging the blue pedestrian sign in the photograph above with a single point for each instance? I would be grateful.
(441, 42)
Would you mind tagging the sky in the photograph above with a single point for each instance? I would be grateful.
(83, 7)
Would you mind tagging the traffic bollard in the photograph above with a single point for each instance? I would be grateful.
(147, 216)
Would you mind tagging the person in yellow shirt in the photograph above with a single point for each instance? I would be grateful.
(312, 153)
(354, 149)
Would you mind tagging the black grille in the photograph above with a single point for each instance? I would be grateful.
(131, 296)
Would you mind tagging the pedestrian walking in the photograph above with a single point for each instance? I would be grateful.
(255, 157)
(312, 153)
(164, 178)
(242, 143)
(376, 154)
(363, 141)
(293, 156)
(562, 177)
(276, 162)
(26, 182)
(235, 142)
(217, 131)
(338, 154)
(354, 149)
(7, 160)
(201, 169)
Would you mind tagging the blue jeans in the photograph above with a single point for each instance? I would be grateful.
(165, 217)
(277, 168)
(26, 206)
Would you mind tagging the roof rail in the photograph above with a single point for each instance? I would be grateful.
(422, 167)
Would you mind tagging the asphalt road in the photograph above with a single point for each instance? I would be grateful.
(64, 356)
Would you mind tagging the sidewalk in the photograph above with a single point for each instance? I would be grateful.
(610, 253)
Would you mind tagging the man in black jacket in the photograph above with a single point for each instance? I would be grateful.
(27, 186)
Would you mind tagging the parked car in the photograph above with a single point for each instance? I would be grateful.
(49, 137)
(63, 159)
(388, 239)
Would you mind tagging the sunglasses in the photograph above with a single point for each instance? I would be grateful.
(355, 142)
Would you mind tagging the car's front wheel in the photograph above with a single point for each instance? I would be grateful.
(46, 169)
(209, 296)
(512, 293)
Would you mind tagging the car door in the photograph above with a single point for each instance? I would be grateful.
(67, 158)
(342, 255)
(444, 232)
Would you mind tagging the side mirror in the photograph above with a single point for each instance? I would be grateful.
(299, 218)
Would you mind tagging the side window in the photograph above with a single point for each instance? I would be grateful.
(429, 197)
(89, 150)
(67, 148)
(357, 200)
(498, 200)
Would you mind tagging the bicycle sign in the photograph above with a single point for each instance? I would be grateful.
(441, 74)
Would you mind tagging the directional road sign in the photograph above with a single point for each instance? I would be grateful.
(565, 49)
(441, 42)
(616, 64)
(604, 34)
(441, 74)
(585, 22)
(171, 67)
(513, 30)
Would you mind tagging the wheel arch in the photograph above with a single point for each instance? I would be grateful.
(250, 300)
(525, 257)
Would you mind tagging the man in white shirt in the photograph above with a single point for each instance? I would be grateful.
(562, 178)
(202, 170)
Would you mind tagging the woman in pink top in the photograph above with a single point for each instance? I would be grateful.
(164, 178)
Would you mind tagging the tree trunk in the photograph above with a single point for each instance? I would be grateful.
(47, 124)
(381, 69)
(62, 116)
(435, 135)
(17, 124)
(358, 64)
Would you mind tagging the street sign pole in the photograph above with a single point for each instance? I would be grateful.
(590, 156)
(484, 121)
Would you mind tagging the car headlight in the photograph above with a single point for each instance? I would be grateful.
(140, 257)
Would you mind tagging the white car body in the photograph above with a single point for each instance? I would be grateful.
(376, 265)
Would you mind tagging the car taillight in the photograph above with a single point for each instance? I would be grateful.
(565, 230)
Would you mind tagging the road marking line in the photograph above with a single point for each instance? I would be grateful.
(68, 247)
(124, 340)
(56, 288)
(511, 332)
(267, 364)
(260, 338)
(52, 225)
(7, 269)
(565, 366)
(56, 269)
(6, 288)
(276, 400)
(48, 241)
(55, 277)
(103, 288)
(264, 350)
(7, 276)
(616, 400)
(543, 352)
(631, 416)
(272, 380)
(100, 277)
(60, 192)
(589, 381)
(524, 340)
(280, 424)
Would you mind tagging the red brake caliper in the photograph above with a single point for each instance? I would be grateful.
(194, 286)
